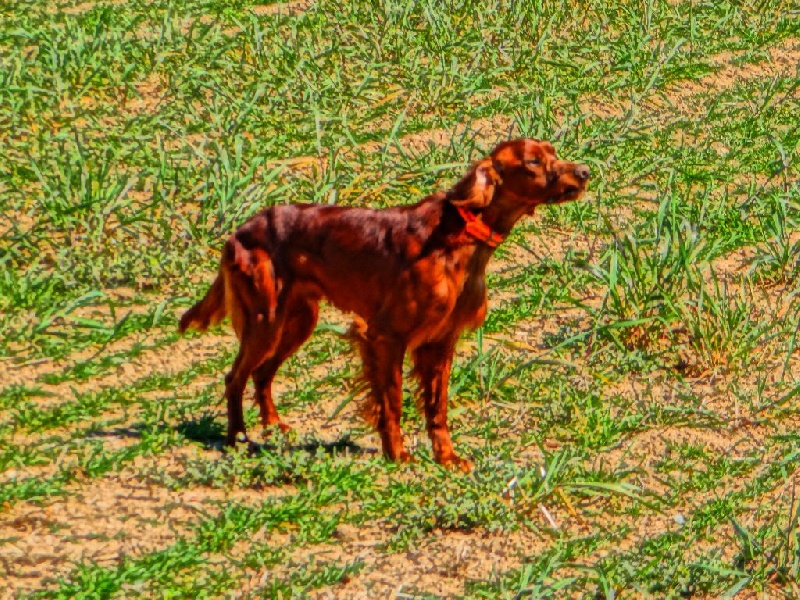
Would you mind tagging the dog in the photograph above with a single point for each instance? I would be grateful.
(414, 276)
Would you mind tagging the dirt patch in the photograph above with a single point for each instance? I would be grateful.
(30, 371)
(312, 420)
(103, 521)
(150, 95)
(784, 60)
(440, 565)
(496, 128)
(68, 460)
(166, 360)
(649, 447)
(599, 105)
(492, 130)
(682, 96)
(185, 24)
(282, 8)
(22, 222)
(82, 7)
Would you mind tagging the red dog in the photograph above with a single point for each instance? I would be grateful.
(413, 275)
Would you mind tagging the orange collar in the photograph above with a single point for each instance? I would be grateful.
(476, 228)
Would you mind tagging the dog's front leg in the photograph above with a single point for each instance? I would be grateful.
(383, 370)
(432, 363)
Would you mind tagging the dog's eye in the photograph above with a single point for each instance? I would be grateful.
(533, 162)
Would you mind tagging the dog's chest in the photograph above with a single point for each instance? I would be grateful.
(461, 287)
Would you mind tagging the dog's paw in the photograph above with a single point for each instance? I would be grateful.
(456, 463)
(277, 426)
(238, 438)
(405, 457)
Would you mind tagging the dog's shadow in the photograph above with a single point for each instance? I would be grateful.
(134, 431)
(209, 432)
(204, 429)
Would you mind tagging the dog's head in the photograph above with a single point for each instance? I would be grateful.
(524, 174)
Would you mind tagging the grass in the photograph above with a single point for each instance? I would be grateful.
(629, 403)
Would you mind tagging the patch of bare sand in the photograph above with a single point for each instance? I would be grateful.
(185, 24)
(771, 510)
(547, 243)
(784, 59)
(150, 95)
(490, 129)
(440, 564)
(603, 105)
(683, 96)
(496, 128)
(82, 7)
(68, 460)
(101, 520)
(178, 25)
(740, 435)
(21, 222)
(282, 8)
(641, 453)
(30, 371)
(165, 360)
(740, 262)
(314, 421)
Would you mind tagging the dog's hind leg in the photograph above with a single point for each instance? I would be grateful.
(258, 344)
(300, 321)
(258, 313)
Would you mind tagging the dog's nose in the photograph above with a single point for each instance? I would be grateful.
(582, 172)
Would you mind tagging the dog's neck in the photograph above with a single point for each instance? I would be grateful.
(504, 211)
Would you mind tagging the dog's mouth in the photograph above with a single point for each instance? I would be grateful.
(570, 192)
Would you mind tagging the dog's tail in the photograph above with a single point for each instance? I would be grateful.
(245, 290)
(210, 310)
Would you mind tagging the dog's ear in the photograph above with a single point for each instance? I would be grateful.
(476, 189)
